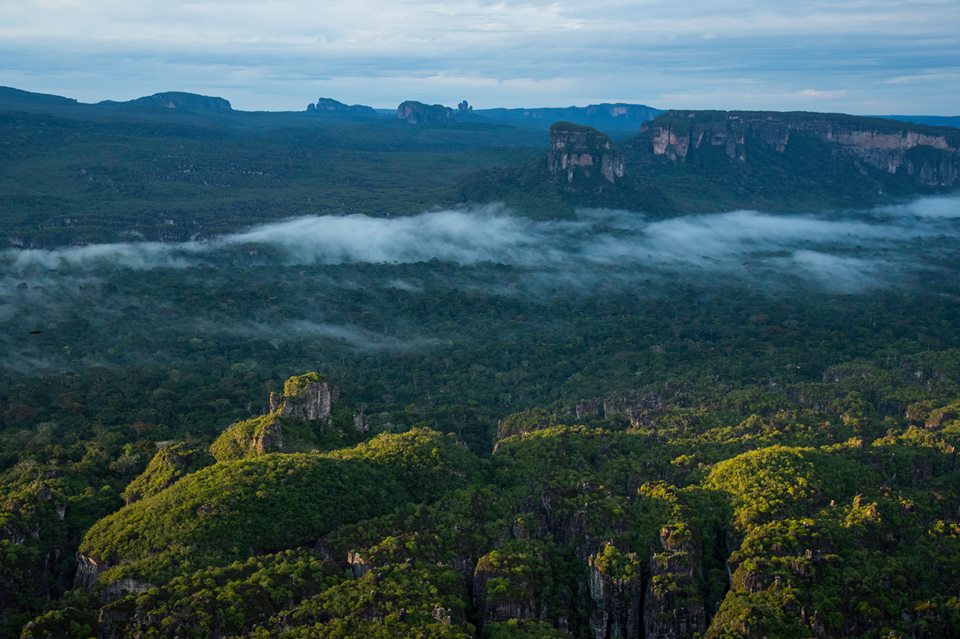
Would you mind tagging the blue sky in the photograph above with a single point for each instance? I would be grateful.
(856, 56)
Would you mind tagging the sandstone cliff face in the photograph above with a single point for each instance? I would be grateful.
(929, 156)
(308, 397)
(617, 601)
(672, 607)
(415, 112)
(582, 153)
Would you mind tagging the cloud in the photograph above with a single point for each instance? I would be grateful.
(947, 207)
(859, 248)
(507, 53)
(469, 236)
(353, 337)
(329, 269)
(135, 255)
(819, 93)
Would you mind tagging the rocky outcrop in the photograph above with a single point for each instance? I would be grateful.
(309, 397)
(329, 105)
(268, 439)
(414, 112)
(88, 570)
(588, 408)
(673, 607)
(359, 566)
(306, 398)
(926, 155)
(580, 153)
(616, 589)
(510, 583)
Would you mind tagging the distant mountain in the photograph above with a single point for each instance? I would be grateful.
(329, 105)
(930, 120)
(612, 118)
(415, 112)
(719, 160)
(10, 97)
(606, 117)
(175, 100)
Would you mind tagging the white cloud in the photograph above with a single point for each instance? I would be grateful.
(846, 250)
(819, 93)
(283, 54)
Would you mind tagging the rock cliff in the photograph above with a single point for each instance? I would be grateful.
(615, 586)
(927, 155)
(673, 606)
(295, 423)
(580, 154)
(309, 397)
(329, 105)
(415, 112)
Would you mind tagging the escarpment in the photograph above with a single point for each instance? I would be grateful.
(414, 112)
(697, 161)
(329, 105)
(927, 156)
(582, 154)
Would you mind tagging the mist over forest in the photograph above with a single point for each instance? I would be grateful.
(476, 374)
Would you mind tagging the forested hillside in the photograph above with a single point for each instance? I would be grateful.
(360, 398)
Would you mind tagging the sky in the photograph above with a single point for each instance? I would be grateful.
(854, 56)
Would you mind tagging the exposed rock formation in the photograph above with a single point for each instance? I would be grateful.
(927, 155)
(509, 583)
(673, 607)
(268, 439)
(358, 564)
(581, 153)
(616, 593)
(588, 408)
(415, 112)
(329, 105)
(88, 569)
(308, 397)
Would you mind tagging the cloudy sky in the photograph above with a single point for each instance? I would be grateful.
(858, 56)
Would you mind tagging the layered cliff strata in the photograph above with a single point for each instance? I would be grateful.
(581, 153)
(927, 155)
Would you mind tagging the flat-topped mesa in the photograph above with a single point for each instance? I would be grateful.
(329, 105)
(415, 112)
(581, 152)
(309, 397)
(181, 100)
(928, 155)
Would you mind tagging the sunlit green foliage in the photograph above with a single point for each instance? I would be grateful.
(223, 512)
(167, 466)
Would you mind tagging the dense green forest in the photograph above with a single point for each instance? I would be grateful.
(406, 416)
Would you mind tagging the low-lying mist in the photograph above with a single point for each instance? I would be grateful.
(841, 251)
(381, 285)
